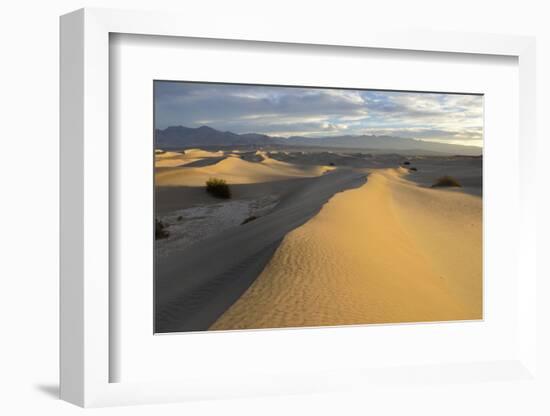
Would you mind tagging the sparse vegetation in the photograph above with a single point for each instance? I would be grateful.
(160, 230)
(331, 164)
(180, 218)
(406, 163)
(413, 169)
(251, 218)
(218, 188)
(446, 181)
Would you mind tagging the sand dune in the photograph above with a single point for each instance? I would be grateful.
(236, 171)
(169, 159)
(174, 159)
(195, 286)
(389, 251)
(199, 153)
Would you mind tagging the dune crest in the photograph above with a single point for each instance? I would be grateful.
(389, 251)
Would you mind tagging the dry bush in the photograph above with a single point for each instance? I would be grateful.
(218, 188)
(160, 230)
(446, 181)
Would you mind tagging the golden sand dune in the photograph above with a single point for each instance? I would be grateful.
(199, 153)
(236, 171)
(173, 159)
(169, 159)
(162, 155)
(389, 251)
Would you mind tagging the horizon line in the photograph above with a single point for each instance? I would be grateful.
(323, 136)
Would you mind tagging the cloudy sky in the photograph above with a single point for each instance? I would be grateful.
(314, 112)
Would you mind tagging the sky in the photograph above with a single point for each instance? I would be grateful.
(318, 112)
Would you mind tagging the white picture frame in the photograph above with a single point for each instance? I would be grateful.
(85, 165)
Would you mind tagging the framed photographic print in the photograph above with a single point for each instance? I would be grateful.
(306, 207)
(281, 212)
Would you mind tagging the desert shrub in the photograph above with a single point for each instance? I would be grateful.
(446, 181)
(406, 163)
(251, 218)
(331, 164)
(160, 230)
(180, 218)
(218, 188)
(413, 169)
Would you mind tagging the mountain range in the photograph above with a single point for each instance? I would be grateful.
(180, 137)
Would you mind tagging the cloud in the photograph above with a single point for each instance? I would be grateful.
(286, 111)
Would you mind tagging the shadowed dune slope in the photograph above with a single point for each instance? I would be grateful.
(389, 251)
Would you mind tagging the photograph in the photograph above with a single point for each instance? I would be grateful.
(303, 206)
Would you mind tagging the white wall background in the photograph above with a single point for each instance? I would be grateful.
(29, 204)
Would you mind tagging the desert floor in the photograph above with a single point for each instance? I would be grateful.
(338, 238)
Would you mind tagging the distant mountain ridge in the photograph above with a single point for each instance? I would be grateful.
(180, 137)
